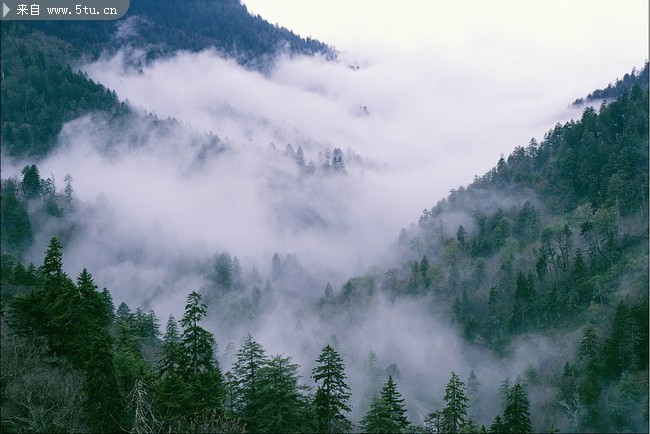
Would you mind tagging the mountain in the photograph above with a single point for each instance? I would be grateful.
(162, 27)
(613, 91)
(41, 91)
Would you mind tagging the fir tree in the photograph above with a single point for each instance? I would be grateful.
(200, 368)
(516, 416)
(332, 394)
(247, 378)
(455, 412)
(283, 407)
(171, 349)
(387, 413)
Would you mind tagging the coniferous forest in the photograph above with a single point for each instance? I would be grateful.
(550, 246)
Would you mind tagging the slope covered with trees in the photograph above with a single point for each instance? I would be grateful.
(41, 91)
(164, 27)
(613, 91)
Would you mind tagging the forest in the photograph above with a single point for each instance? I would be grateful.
(550, 246)
(545, 267)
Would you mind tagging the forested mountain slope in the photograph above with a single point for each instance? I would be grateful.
(41, 91)
(161, 27)
(613, 91)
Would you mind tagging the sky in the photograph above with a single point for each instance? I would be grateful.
(570, 47)
(511, 33)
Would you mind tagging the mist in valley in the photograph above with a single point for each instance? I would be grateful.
(216, 173)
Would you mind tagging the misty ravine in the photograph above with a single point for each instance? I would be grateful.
(206, 227)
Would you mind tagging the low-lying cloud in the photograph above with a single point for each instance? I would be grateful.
(154, 204)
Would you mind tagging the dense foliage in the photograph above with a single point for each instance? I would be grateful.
(614, 91)
(40, 91)
(95, 356)
(164, 27)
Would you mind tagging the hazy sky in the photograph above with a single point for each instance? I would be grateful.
(588, 41)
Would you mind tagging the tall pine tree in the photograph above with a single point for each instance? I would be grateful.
(387, 413)
(332, 394)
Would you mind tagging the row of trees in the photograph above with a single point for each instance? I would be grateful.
(181, 386)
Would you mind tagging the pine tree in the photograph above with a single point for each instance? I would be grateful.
(200, 369)
(455, 412)
(497, 426)
(198, 343)
(247, 378)
(473, 387)
(171, 349)
(433, 422)
(283, 407)
(516, 416)
(31, 183)
(332, 394)
(68, 188)
(387, 413)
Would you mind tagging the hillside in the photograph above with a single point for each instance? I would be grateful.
(41, 91)
(164, 27)
(614, 91)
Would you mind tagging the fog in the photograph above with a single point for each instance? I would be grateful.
(155, 201)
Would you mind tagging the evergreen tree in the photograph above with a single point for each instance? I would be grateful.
(516, 416)
(473, 388)
(497, 426)
(433, 422)
(198, 343)
(31, 184)
(332, 394)
(455, 411)
(248, 381)
(200, 368)
(337, 161)
(283, 407)
(171, 349)
(387, 413)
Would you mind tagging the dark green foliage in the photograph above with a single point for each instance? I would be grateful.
(171, 349)
(283, 407)
(198, 344)
(40, 92)
(497, 426)
(614, 91)
(332, 394)
(74, 320)
(15, 224)
(516, 416)
(190, 385)
(387, 413)
(247, 382)
(31, 184)
(195, 25)
(454, 414)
